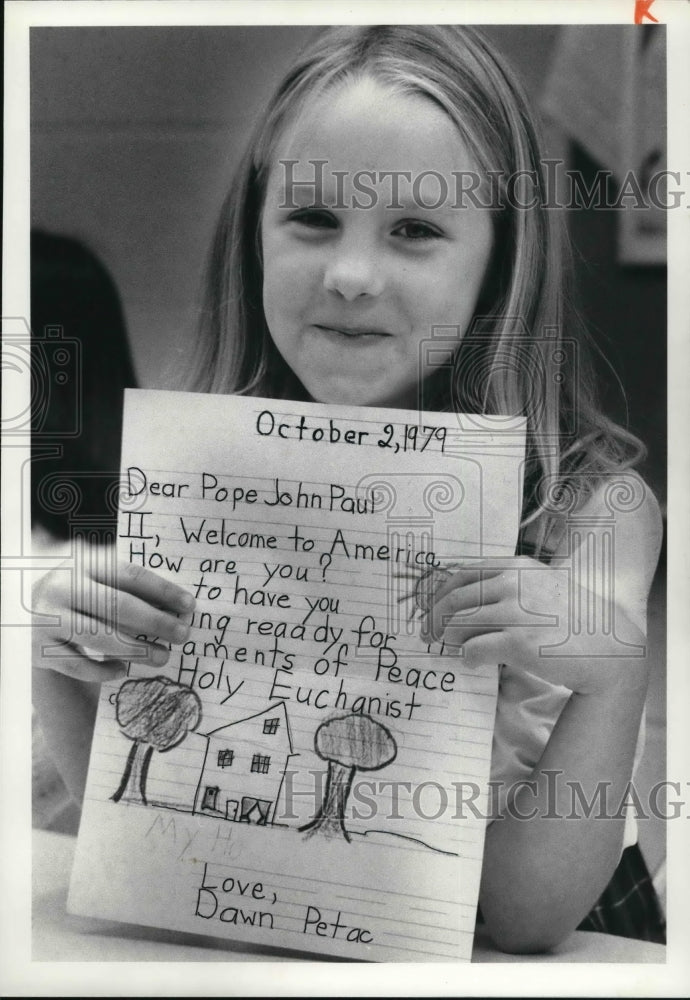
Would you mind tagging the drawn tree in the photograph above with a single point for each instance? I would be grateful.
(349, 743)
(156, 714)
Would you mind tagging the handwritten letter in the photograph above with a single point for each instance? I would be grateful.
(305, 772)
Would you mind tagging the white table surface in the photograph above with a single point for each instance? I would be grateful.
(61, 936)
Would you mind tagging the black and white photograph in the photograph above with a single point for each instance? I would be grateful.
(344, 499)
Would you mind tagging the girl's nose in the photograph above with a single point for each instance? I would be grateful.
(353, 274)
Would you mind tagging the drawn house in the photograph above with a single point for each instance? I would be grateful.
(244, 768)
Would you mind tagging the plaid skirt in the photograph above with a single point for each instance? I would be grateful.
(629, 905)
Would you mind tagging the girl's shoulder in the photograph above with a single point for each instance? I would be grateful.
(624, 502)
(621, 523)
(621, 501)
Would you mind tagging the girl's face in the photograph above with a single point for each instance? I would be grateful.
(356, 273)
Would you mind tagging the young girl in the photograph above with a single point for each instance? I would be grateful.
(378, 200)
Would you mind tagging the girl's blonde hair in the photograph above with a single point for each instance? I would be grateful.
(525, 352)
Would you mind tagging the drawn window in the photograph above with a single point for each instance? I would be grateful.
(270, 726)
(260, 764)
(225, 758)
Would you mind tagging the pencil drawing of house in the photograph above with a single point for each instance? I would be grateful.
(244, 768)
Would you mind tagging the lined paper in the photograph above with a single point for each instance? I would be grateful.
(304, 772)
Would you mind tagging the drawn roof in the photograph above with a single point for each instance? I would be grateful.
(277, 708)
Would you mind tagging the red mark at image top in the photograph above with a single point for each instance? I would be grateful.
(643, 12)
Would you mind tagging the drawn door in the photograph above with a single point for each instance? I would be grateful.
(255, 810)
(231, 807)
(210, 797)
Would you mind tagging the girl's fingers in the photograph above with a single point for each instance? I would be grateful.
(72, 660)
(154, 589)
(469, 598)
(484, 650)
(81, 669)
(89, 614)
(456, 638)
(131, 615)
(86, 635)
(458, 631)
(142, 583)
(464, 577)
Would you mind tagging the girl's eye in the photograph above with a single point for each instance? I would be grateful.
(415, 230)
(314, 218)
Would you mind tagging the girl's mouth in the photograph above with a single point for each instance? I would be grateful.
(352, 333)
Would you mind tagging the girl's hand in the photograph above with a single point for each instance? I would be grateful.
(521, 612)
(97, 607)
